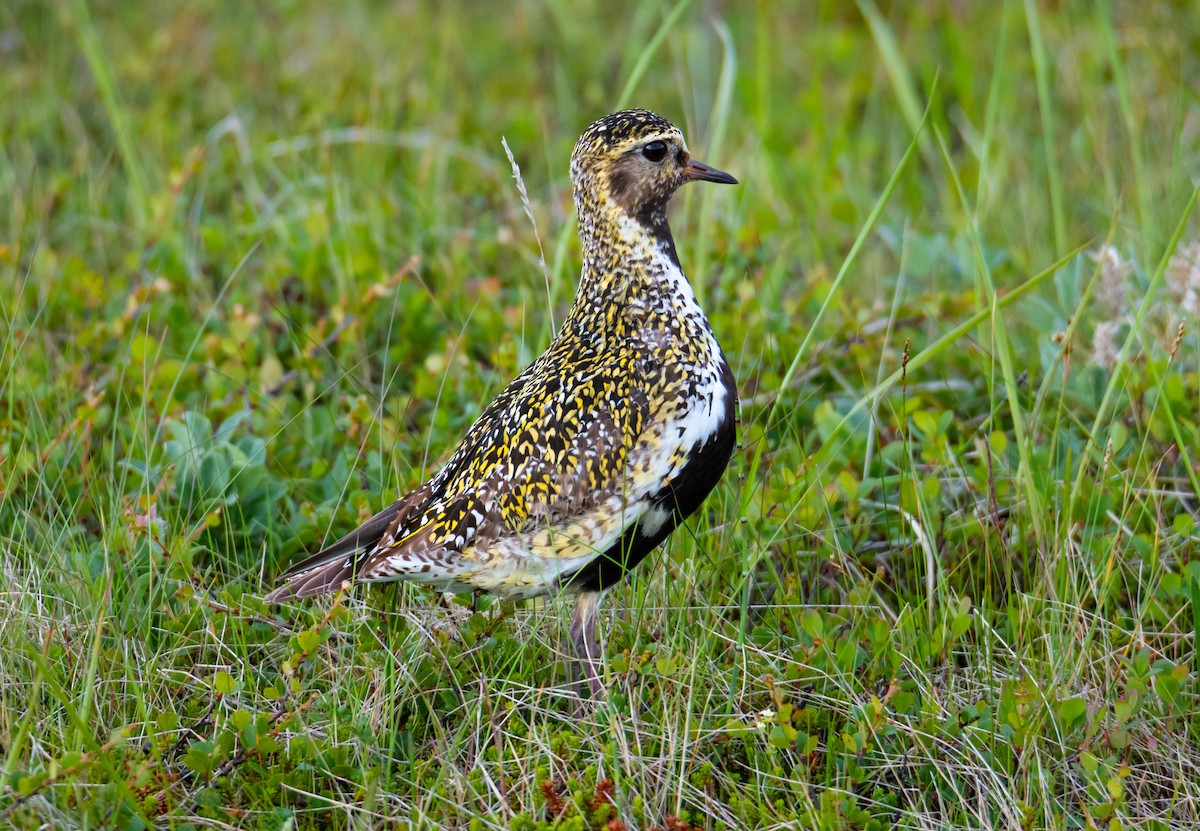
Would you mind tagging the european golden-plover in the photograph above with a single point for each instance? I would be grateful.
(601, 446)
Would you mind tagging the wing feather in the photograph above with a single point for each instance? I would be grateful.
(325, 570)
(547, 451)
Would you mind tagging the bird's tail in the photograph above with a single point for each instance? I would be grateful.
(331, 567)
(324, 578)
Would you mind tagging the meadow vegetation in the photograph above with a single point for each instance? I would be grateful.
(260, 265)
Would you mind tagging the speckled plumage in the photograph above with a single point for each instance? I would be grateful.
(601, 446)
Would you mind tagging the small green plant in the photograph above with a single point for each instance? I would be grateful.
(221, 485)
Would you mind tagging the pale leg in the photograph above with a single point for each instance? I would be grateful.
(585, 648)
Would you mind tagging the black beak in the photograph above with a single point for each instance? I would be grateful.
(700, 172)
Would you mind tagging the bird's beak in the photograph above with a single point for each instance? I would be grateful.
(695, 171)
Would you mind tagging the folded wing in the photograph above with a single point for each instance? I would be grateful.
(540, 471)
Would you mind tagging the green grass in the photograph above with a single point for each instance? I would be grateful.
(261, 266)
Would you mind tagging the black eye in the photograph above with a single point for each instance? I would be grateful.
(655, 151)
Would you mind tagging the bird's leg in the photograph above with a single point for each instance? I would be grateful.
(585, 649)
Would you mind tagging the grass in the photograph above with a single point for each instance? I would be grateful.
(261, 266)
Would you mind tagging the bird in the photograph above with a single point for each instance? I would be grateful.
(601, 446)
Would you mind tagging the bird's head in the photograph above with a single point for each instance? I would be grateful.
(634, 161)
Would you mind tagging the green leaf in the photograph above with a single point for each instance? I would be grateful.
(666, 666)
(29, 784)
(1072, 711)
(1123, 710)
(214, 475)
(1089, 763)
(199, 757)
(924, 421)
(848, 655)
(69, 760)
(902, 701)
(209, 798)
(813, 624)
(959, 625)
(1167, 687)
(779, 737)
(223, 683)
(308, 640)
(250, 736)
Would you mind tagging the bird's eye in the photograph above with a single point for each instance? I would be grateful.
(655, 151)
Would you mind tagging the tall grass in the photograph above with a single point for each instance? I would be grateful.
(262, 266)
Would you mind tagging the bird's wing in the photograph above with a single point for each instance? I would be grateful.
(537, 459)
(549, 448)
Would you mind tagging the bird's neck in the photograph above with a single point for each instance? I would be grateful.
(630, 267)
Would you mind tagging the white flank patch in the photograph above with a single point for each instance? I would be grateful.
(653, 521)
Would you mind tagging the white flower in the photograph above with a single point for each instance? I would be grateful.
(1105, 348)
(1111, 294)
(1183, 277)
